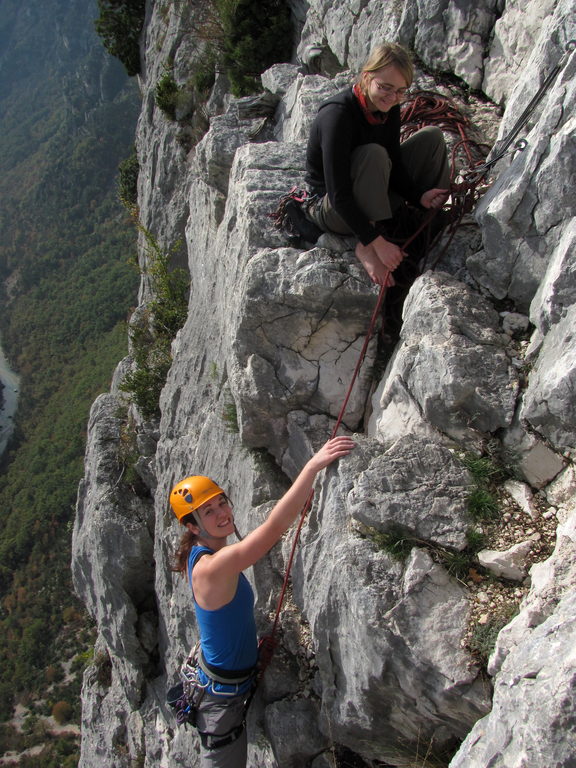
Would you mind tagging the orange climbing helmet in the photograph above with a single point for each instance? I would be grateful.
(191, 493)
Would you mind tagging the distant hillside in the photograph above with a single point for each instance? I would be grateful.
(67, 118)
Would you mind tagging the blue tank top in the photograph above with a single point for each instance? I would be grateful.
(228, 634)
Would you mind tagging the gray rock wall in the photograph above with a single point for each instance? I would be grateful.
(373, 656)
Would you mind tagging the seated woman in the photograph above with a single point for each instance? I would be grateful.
(358, 167)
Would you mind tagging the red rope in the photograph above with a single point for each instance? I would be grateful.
(426, 108)
(268, 643)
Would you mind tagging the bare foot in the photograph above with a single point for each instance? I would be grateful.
(389, 254)
(377, 272)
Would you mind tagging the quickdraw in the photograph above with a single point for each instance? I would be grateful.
(503, 147)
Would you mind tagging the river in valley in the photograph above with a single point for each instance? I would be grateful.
(8, 401)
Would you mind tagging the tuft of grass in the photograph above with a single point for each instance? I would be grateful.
(484, 636)
(482, 504)
(395, 541)
(457, 564)
(230, 417)
(482, 468)
(475, 540)
(487, 475)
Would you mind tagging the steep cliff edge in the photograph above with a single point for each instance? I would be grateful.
(375, 659)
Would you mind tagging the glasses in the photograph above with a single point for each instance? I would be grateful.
(389, 90)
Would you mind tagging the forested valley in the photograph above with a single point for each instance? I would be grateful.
(67, 282)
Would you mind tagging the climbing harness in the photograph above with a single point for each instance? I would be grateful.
(186, 696)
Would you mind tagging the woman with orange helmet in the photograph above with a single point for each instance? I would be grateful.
(220, 673)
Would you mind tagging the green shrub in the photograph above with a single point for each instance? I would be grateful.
(103, 666)
(6, 700)
(205, 74)
(61, 712)
(35, 729)
(252, 46)
(138, 761)
(82, 660)
(11, 740)
(62, 752)
(145, 382)
(53, 673)
(119, 25)
(152, 336)
(128, 171)
(166, 95)
(230, 417)
(242, 44)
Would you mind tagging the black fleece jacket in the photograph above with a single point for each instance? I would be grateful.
(340, 127)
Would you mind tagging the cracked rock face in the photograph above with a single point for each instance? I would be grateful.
(524, 216)
(452, 370)
(418, 487)
(373, 660)
(532, 721)
(303, 323)
(371, 617)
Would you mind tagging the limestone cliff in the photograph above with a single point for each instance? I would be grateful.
(374, 659)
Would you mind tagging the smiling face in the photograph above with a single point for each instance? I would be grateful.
(216, 518)
(384, 88)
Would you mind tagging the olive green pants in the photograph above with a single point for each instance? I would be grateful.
(424, 156)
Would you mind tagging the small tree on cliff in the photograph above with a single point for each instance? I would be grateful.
(119, 25)
(241, 44)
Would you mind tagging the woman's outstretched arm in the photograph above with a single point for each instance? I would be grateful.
(232, 559)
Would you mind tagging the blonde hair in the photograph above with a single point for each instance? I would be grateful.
(386, 55)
